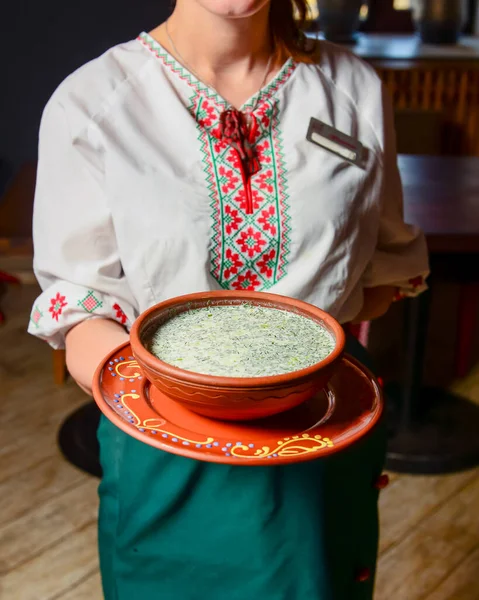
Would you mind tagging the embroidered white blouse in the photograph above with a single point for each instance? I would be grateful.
(138, 199)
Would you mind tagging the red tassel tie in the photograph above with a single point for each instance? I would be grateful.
(234, 130)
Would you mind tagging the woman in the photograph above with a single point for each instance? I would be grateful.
(179, 162)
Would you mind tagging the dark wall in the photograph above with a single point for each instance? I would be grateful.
(41, 42)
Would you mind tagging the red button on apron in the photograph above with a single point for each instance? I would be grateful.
(382, 482)
(363, 575)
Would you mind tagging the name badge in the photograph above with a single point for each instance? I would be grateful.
(336, 142)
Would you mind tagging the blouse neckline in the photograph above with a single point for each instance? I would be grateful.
(180, 71)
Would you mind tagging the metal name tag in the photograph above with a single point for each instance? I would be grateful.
(336, 142)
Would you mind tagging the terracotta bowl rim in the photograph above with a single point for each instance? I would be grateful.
(162, 368)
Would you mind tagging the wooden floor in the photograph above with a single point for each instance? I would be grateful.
(430, 525)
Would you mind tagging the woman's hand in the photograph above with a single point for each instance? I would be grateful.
(377, 301)
(87, 344)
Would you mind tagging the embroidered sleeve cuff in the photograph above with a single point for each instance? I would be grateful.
(413, 287)
(65, 305)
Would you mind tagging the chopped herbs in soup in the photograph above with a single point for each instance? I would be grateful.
(241, 341)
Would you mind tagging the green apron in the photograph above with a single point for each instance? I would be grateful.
(174, 528)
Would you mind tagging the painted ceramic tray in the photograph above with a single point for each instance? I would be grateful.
(331, 421)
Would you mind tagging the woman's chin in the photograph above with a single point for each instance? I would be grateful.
(233, 9)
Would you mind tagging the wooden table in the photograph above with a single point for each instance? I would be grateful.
(441, 195)
(435, 432)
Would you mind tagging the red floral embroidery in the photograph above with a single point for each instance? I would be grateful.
(264, 135)
(232, 263)
(267, 263)
(265, 181)
(263, 112)
(248, 281)
(268, 220)
(416, 281)
(58, 303)
(251, 242)
(220, 145)
(120, 315)
(233, 159)
(228, 180)
(264, 152)
(209, 118)
(232, 219)
(242, 200)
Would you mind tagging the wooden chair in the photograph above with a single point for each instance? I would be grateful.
(16, 248)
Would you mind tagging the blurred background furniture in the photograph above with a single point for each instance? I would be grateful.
(422, 132)
(440, 21)
(435, 91)
(15, 228)
(434, 431)
(16, 247)
(432, 79)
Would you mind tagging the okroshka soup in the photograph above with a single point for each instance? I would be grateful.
(242, 340)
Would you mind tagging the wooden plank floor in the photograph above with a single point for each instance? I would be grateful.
(430, 525)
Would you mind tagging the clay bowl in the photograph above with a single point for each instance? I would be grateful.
(233, 398)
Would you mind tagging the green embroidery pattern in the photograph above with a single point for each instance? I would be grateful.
(90, 302)
(36, 316)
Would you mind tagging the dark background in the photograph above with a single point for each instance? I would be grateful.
(43, 41)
